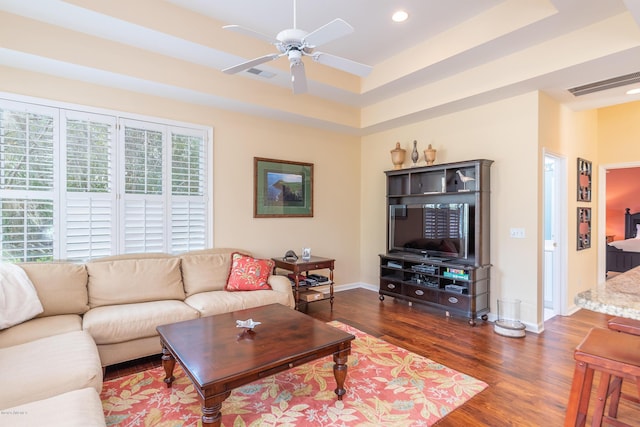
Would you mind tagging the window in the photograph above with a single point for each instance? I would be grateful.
(78, 185)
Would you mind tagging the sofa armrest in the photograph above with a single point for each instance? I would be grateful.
(282, 284)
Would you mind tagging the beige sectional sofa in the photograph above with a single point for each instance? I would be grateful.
(106, 312)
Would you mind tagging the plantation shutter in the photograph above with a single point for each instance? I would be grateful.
(144, 193)
(79, 185)
(90, 199)
(188, 189)
(27, 182)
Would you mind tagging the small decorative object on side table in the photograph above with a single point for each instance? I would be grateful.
(300, 266)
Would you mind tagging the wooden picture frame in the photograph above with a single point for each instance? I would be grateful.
(584, 180)
(584, 228)
(282, 188)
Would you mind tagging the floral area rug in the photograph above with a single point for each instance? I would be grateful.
(386, 386)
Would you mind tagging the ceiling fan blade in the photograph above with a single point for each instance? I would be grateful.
(251, 33)
(343, 64)
(328, 32)
(252, 63)
(298, 78)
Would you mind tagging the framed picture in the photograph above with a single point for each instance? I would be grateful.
(282, 188)
(584, 180)
(584, 228)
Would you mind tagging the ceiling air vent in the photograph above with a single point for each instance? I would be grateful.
(261, 73)
(606, 84)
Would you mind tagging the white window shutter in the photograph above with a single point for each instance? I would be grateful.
(27, 182)
(79, 184)
(89, 202)
(188, 224)
(144, 194)
(188, 189)
(144, 225)
(90, 227)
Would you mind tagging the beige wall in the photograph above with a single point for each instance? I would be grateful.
(332, 232)
(505, 132)
(618, 146)
(619, 134)
(623, 186)
(350, 217)
(570, 135)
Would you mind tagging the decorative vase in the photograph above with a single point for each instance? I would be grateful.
(430, 155)
(397, 156)
(414, 154)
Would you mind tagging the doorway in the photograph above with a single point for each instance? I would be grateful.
(555, 220)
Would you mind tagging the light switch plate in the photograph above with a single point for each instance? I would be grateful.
(517, 233)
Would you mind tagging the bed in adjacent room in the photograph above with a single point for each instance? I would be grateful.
(623, 255)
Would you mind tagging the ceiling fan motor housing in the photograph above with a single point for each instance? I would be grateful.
(291, 39)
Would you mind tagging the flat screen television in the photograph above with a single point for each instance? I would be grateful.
(439, 230)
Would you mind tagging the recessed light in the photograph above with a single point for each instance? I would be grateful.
(633, 91)
(400, 16)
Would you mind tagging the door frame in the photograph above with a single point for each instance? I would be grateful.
(602, 214)
(559, 274)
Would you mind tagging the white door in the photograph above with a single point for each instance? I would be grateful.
(554, 222)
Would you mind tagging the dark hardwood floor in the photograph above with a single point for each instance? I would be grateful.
(529, 378)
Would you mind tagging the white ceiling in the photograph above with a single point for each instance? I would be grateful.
(377, 41)
(376, 36)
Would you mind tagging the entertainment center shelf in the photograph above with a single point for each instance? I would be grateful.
(441, 179)
(438, 237)
(460, 288)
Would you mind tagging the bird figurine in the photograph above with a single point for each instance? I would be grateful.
(247, 324)
(465, 179)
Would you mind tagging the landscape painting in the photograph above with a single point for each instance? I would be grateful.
(282, 188)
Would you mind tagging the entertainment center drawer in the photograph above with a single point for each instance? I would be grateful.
(459, 302)
(421, 293)
(388, 286)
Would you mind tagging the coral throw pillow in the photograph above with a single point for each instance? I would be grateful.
(248, 273)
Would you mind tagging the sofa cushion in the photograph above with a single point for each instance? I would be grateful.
(126, 322)
(40, 327)
(206, 270)
(47, 367)
(77, 408)
(18, 297)
(218, 302)
(128, 281)
(61, 286)
(248, 273)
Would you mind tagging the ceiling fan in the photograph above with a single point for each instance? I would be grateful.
(295, 43)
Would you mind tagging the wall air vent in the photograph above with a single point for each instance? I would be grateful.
(261, 73)
(606, 84)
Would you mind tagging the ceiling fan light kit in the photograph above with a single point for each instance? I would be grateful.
(296, 43)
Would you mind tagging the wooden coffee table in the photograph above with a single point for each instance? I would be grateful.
(218, 356)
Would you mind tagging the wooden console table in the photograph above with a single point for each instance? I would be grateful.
(304, 266)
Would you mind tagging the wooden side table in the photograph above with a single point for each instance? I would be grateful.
(304, 266)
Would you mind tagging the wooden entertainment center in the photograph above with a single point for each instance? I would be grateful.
(446, 272)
